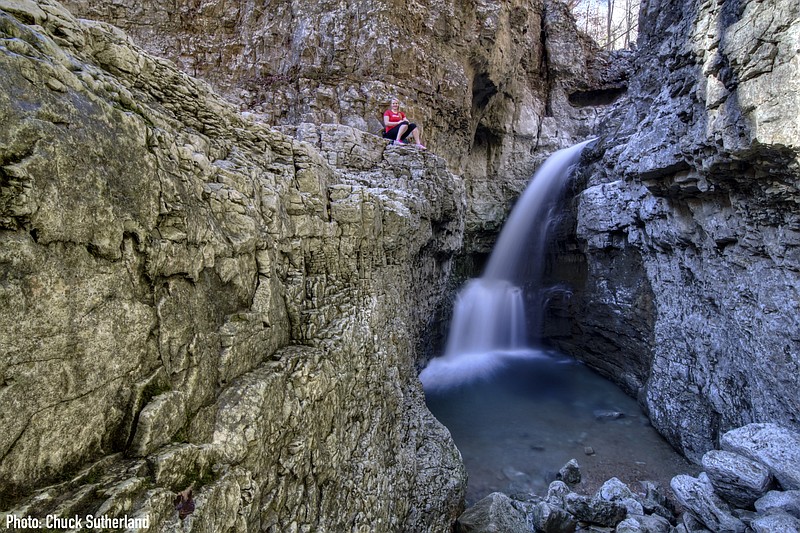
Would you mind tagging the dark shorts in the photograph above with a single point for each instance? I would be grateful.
(392, 133)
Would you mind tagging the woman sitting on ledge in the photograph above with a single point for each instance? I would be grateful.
(397, 127)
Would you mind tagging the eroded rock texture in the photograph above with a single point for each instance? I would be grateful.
(189, 298)
(690, 223)
(496, 86)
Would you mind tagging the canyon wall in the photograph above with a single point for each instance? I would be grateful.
(684, 262)
(489, 82)
(189, 298)
(688, 226)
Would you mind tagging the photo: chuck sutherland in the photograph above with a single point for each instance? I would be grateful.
(74, 523)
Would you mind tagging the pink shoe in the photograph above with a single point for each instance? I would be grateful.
(399, 142)
(420, 146)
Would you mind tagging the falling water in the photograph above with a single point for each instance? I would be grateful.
(518, 413)
(489, 322)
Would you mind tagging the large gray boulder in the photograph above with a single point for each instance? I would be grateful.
(774, 446)
(551, 519)
(594, 510)
(698, 497)
(777, 522)
(644, 524)
(739, 480)
(788, 501)
(614, 490)
(493, 514)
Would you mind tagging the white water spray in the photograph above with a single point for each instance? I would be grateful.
(489, 323)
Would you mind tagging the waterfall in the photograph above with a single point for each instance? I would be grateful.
(489, 322)
(487, 301)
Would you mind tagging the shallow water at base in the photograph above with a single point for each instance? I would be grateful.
(518, 427)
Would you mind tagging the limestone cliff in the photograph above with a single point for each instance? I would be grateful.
(496, 86)
(690, 227)
(190, 298)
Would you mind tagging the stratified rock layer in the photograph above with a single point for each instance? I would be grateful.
(690, 228)
(189, 298)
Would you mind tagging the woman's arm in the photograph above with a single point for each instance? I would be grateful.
(389, 124)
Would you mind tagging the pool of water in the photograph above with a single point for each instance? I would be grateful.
(516, 428)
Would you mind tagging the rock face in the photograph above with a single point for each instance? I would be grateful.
(688, 230)
(496, 86)
(192, 299)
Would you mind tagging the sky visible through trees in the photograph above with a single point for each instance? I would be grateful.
(613, 24)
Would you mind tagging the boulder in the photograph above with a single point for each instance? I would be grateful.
(493, 514)
(698, 497)
(557, 493)
(691, 524)
(777, 522)
(656, 502)
(644, 524)
(788, 501)
(774, 446)
(594, 510)
(615, 490)
(739, 480)
(570, 473)
(552, 519)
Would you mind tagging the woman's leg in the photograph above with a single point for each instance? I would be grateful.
(400, 132)
(418, 138)
(410, 128)
(392, 133)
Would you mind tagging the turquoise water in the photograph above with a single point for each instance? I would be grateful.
(516, 428)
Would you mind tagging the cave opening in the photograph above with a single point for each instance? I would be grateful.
(483, 88)
(596, 97)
